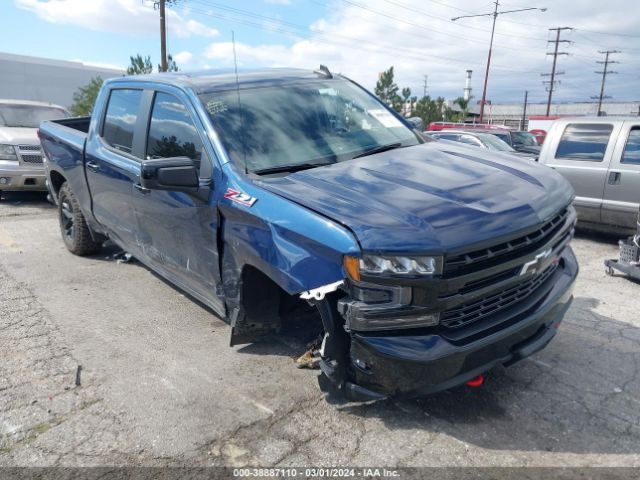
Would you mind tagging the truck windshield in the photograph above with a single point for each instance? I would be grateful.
(303, 125)
(28, 116)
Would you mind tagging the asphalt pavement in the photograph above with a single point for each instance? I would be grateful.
(159, 385)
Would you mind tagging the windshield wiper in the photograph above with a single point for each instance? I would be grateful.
(379, 149)
(296, 167)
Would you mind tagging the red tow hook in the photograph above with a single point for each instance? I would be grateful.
(475, 382)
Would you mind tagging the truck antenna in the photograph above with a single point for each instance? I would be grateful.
(235, 65)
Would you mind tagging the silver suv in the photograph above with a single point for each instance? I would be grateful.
(20, 155)
(601, 159)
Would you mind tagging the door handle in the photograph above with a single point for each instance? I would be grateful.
(141, 189)
(94, 167)
(614, 178)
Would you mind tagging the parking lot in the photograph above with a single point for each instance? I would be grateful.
(159, 385)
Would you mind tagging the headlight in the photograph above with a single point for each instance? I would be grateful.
(392, 265)
(8, 152)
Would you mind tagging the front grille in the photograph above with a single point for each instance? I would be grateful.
(476, 260)
(494, 303)
(31, 158)
(29, 148)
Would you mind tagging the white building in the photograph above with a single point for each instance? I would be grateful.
(45, 80)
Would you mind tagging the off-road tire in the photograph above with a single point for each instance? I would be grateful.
(73, 227)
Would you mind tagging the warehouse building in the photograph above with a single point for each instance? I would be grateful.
(45, 80)
(511, 114)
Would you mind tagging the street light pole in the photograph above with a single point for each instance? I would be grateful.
(493, 14)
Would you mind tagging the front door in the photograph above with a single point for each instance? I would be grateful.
(622, 190)
(177, 231)
(112, 167)
(582, 155)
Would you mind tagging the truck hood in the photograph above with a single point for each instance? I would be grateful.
(429, 198)
(19, 136)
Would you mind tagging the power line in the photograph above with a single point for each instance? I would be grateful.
(604, 73)
(555, 54)
(330, 39)
(493, 14)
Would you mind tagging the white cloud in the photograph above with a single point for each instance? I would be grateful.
(132, 17)
(279, 2)
(183, 58)
(421, 40)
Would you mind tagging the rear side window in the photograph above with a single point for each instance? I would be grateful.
(120, 119)
(448, 136)
(172, 132)
(584, 142)
(632, 149)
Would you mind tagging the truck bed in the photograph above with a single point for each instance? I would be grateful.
(75, 123)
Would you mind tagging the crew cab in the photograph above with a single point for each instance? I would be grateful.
(600, 157)
(20, 156)
(428, 263)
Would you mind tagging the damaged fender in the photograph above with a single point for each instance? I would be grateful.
(274, 239)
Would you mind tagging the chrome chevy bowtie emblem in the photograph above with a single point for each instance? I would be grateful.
(533, 266)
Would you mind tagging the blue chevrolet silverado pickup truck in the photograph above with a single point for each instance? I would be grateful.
(428, 263)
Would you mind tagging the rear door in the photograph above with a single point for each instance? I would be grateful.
(177, 231)
(582, 153)
(112, 163)
(622, 189)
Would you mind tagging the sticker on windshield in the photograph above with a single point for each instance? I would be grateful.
(385, 118)
(240, 197)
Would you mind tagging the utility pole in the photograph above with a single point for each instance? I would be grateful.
(555, 54)
(524, 110)
(163, 36)
(426, 77)
(604, 72)
(493, 14)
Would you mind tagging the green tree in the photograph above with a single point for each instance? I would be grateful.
(387, 90)
(461, 115)
(172, 66)
(85, 98)
(140, 65)
(429, 110)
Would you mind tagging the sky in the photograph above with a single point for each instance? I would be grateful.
(358, 38)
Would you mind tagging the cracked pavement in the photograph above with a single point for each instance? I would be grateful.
(160, 385)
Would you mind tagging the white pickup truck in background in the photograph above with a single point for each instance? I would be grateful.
(20, 153)
(600, 156)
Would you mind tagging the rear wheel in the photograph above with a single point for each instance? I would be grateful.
(73, 226)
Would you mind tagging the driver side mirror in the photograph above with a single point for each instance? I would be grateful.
(175, 174)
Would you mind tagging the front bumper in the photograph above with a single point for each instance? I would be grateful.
(20, 177)
(415, 364)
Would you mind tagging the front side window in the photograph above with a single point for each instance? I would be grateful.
(172, 132)
(584, 142)
(120, 119)
(306, 123)
(632, 148)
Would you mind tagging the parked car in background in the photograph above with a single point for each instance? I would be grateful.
(520, 141)
(20, 155)
(480, 139)
(428, 263)
(601, 158)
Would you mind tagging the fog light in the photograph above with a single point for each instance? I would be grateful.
(4, 180)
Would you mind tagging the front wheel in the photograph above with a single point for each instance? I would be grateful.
(73, 226)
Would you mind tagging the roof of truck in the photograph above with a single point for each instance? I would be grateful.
(216, 80)
(10, 101)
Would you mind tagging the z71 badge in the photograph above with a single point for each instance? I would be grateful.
(240, 197)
